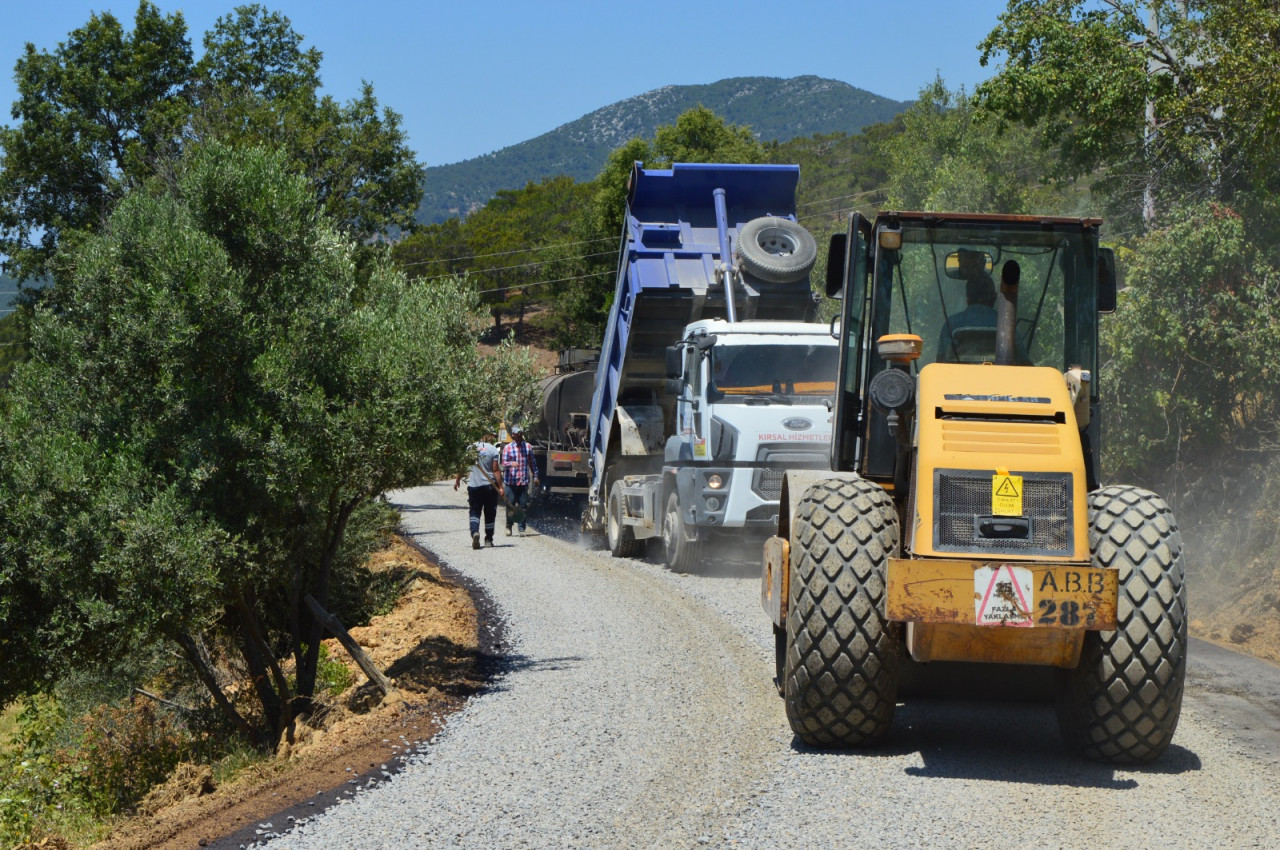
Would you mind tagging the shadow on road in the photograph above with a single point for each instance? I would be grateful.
(1000, 742)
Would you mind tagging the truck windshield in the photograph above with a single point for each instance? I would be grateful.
(941, 285)
(793, 369)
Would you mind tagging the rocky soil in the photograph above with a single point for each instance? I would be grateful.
(428, 646)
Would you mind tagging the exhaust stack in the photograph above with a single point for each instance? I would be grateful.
(1007, 314)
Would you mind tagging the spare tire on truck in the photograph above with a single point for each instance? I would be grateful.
(776, 250)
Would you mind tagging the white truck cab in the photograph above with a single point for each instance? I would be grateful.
(754, 399)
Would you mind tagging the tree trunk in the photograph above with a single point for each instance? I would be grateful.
(337, 526)
(334, 625)
(253, 631)
(198, 658)
(261, 677)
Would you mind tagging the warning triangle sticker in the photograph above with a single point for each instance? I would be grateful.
(1003, 595)
(1008, 488)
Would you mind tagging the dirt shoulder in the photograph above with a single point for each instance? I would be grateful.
(428, 646)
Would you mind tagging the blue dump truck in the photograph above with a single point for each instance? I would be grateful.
(713, 376)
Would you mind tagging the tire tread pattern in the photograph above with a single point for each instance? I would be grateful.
(776, 268)
(688, 553)
(842, 658)
(626, 546)
(1122, 704)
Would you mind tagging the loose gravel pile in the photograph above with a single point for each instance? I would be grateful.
(636, 708)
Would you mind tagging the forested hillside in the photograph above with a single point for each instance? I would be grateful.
(774, 109)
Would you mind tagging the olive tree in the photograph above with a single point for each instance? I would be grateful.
(204, 417)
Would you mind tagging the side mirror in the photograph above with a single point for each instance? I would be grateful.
(673, 386)
(704, 343)
(1108, 280)
(837, 251)
(674, 367)
(834, 330)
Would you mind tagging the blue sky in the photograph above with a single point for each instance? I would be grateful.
(470, 78)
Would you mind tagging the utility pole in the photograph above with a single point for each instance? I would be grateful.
(1153, 68)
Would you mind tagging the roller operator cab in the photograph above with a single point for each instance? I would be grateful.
(962, 519)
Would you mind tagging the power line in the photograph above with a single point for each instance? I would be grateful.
(471, 257)
(521, 266)
(541, 282)
(505, 253)
(864, 193)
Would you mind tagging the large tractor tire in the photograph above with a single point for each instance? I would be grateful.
(842, 657)
(776, 250)
(1121, 704)
(682, 554)
(622, 539)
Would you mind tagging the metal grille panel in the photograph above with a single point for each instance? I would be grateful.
(767, 482)
(961, 496)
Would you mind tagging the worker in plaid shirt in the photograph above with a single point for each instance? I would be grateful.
(519, 471)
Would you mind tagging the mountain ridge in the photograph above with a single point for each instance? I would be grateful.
(776, 109)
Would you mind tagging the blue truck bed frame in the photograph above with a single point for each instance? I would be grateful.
(667, 276)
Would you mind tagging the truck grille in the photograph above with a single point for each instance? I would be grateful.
(962, 497)
(767, 482)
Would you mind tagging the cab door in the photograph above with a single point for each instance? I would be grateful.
(848, 267)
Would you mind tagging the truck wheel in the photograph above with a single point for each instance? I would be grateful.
(1122, 703)
(622, 539)
(842, 657)
(777, 250)
(682, 554)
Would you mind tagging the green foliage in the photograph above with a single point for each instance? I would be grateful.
(13, 344)
(1191, 348)
(497, 247)
(332, 676)
(107, 110)
(29, 784)
(953, 155)
(358, 594)
(67, 773)
(208, 415)
(1209, 72)
(580, 223)
(93, 114)
(122, 752)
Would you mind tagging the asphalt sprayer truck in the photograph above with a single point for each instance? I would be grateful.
(713, 376)
(558, 430)
(962, 521)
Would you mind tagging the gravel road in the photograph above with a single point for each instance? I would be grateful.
(637, 709)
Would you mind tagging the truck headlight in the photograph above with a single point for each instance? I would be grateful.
(714, 481)
(713, 504)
